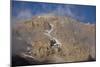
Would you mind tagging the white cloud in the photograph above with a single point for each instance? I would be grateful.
(64, 11)
(24, 15)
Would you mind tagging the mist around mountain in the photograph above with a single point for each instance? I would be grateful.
(25, 10)
(47, 39)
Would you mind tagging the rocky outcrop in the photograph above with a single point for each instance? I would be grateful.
(54, 39)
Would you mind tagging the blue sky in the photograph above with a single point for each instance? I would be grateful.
(25, 10)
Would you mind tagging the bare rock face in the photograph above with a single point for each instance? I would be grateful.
(54, 39)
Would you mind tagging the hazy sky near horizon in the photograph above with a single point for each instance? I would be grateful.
(25, 10)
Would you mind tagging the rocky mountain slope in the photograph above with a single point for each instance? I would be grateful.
(53, 39)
